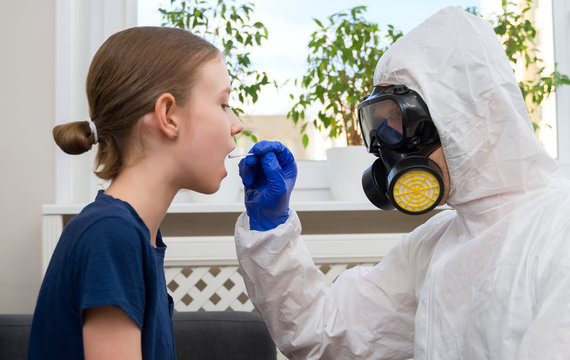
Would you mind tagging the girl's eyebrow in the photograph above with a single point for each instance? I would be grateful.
(226, 90)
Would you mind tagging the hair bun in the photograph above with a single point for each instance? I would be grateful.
(74, 138)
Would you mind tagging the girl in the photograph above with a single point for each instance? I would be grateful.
(158, 100)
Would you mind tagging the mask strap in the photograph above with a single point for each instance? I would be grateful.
(433, 149)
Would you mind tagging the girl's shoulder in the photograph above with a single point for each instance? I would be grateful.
(106, 224)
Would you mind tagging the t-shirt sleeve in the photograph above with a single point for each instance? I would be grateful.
(110, 268)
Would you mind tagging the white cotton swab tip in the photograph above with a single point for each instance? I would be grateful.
(239, 155)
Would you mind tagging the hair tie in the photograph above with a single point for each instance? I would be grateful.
(93, 130)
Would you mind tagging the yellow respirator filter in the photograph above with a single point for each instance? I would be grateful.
(416, 191)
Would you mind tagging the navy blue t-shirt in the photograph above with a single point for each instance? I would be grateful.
(103, 257)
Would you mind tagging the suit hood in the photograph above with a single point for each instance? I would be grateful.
(457, 65)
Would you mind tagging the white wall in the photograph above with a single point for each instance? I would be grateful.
(31, 95)
(26, 150)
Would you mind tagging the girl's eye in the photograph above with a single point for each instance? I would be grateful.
(226, 106)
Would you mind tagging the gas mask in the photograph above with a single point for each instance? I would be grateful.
(397, 127)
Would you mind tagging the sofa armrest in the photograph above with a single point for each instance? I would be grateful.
(14, 336)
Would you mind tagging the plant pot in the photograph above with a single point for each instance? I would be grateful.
(345, 167)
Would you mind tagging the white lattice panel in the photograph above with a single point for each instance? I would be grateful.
(221, 288)
(207, 288)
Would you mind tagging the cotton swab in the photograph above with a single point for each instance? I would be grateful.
(239, 155)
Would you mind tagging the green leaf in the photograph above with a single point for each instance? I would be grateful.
(305, 140)
(295, 116)
(228, 47)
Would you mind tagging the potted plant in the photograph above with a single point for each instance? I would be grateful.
(343, 53)
(515, 30)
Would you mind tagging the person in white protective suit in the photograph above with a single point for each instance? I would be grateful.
(488, 279)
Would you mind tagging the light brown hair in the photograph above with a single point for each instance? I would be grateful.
(127, 75)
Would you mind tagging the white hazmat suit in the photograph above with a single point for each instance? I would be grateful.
(489, 279)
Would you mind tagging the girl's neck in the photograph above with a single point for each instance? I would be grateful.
(147, 192)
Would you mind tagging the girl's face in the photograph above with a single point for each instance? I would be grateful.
(207, 129)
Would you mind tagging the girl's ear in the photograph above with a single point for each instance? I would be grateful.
(164, 110)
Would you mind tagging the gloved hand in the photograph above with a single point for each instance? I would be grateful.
(268, 178)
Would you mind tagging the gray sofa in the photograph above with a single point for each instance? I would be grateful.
(227, 335)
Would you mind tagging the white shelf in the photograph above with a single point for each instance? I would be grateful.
(72, 209)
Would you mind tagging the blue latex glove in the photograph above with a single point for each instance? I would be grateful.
(268, 178)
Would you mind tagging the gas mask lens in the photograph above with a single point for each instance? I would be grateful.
(381, 124)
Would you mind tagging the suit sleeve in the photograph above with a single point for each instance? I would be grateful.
(368, 313)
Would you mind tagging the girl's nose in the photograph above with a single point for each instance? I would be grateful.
(236, 125)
